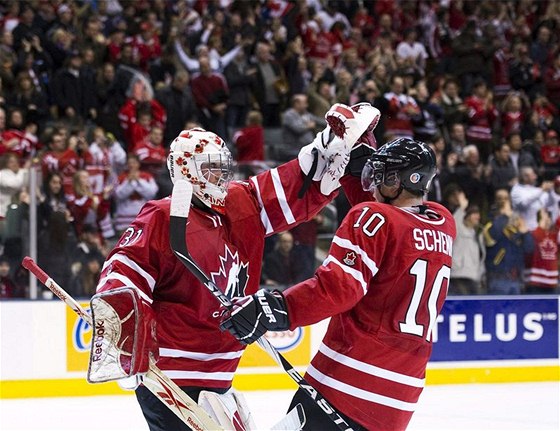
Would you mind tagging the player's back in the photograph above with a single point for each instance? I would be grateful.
(377, 351)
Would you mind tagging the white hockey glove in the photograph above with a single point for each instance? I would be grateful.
(124, 335)
(348, 126)
(229, 410)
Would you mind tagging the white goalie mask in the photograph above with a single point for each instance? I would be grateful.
(202, 158)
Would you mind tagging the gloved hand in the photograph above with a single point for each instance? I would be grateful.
(253, 315)
(358, 157)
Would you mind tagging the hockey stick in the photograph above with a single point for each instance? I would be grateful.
(186, 409)
(180, 206)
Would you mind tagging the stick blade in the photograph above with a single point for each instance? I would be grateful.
(181, 198)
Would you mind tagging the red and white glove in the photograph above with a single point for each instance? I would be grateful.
(348, 126)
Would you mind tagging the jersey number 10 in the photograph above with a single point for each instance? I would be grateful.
(419, 270)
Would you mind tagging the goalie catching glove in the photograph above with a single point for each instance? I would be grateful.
(256, 314)
(349, 127)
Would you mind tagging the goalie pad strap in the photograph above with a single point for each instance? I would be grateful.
(124, 335)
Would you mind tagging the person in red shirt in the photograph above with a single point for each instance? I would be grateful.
(541, 267)
(150, 152)
(383, 283)
(550, 155)
(249, 140)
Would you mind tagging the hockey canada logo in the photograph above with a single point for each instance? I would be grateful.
(232, 274)
(350, 258)
(415, 177)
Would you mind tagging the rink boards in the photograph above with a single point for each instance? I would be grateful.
(44, 347)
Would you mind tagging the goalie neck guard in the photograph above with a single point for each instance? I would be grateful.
(202, 158)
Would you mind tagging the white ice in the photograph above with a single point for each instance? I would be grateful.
(512, 406)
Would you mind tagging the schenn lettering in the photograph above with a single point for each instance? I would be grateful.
(432, 240)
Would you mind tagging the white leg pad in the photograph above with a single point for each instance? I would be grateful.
(229, 410)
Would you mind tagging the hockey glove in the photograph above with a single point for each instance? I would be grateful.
(253, 315)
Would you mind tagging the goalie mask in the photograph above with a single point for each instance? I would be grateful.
(202, 158)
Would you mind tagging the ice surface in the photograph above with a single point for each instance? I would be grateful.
(512, 406)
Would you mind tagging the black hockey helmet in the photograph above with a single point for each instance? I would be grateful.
(412, 162)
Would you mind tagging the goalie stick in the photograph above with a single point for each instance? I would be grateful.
(180, 206)
(158, 383)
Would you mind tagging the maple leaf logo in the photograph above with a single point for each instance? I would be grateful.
(232, 275)
(350, 258)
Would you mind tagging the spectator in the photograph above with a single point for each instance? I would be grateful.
(523, 73)
(454, 109)
(282, 267)
(550, 155)
(470, 175)
(457, 138)
(469, 252)
(298, 127)
(8, 286)
(13, 179)
(151, 153)
(178, 102)
(270, 87)
(541, 266)
(320, 96)
(527, 198)
(87, 207)
(472, 52)
(402, 110)
(147, 44)
(507, 241)
(133, 190)
(512, 115)
(249, 141)
(53, 201)
(106, 159)
(514, 142)
(552, 81)
(211, 96)
(20, 137)
(55, 247)
(73, 95)
(426, 126)
(411, 54)
(84, 282)
(501, 171)
(139, 96)
(240, 77)
(29, 99)
(88, 247)
(482, 114)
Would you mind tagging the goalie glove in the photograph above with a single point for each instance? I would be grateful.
(348, 126)
(256, 314)
(124, 335)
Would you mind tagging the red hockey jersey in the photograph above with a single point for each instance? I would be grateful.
(384, 282)
(229, 248)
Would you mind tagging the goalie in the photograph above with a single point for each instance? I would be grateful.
(158, 308)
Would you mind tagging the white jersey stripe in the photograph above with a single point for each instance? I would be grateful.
(175, 353)
(264, 216)
(543, 280)
(132, 265)
(360, 393)
(372, 370)
(127, 283)
(281, 196)
(540, 271)
(363, 255)
(179, 374)
(357, 275)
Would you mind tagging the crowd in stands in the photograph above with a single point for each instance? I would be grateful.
(93, 91)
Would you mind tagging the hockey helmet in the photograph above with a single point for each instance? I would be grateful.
(412, 163)
(203, 159)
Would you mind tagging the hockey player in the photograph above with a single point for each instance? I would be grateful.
(383, 283)
(227, 225)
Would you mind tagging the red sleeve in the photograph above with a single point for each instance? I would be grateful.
(277, 193)
(353, 190)
(343, 278)
(135, 261)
